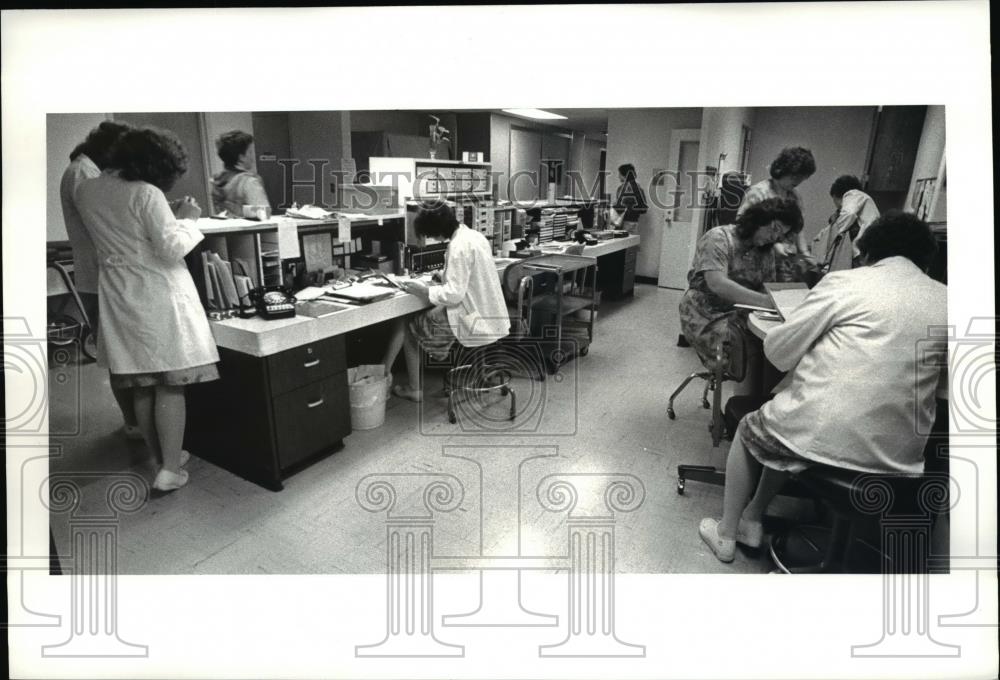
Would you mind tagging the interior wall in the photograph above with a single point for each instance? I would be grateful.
(722, 132)
(930, 151)
(63, 131)
(272, 143)
(500, 144)
(838, 138)
(317, 136)
(642, 137)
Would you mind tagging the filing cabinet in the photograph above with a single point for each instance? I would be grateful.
(616, 275)
(266, 417)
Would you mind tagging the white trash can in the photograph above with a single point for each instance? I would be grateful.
(369, 389)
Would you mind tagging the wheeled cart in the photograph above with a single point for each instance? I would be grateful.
(569, 287)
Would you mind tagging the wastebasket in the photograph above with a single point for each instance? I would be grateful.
(369, 390)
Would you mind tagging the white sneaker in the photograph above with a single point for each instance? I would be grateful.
(750, 533)
(167, 481)
(724, 549)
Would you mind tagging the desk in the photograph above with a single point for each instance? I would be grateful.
(282, 400)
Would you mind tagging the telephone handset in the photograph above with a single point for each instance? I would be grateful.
(275, 302)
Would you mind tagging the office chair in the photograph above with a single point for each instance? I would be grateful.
(476, 371)
(850, 496)
(730, 364)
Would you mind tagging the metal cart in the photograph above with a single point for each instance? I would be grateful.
(63, 329)
(569, 286)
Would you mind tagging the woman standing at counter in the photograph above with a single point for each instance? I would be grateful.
(154, 336)
(87, 161)
(793, 166)
(630, 201)
(236, 186)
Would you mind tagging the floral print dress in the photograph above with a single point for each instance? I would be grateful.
(707, 319)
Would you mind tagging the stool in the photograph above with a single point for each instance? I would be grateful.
(475, 372)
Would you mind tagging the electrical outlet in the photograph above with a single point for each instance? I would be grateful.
(668, 215)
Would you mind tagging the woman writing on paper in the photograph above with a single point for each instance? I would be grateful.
(731, 265)
(154, 336)
(469, 307)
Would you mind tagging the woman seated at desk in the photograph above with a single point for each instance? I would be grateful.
(731, 265)
(864, 371)
(469, 307)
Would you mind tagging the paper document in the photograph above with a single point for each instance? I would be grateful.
(310, 293)
(343, 229)
(309, 212)
(786, 296)
(288, 239)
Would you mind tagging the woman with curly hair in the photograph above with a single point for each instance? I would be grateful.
(731, 265)
(236, 186)
(154, 336)
(793, 166)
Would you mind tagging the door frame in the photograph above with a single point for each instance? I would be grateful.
(667, 278)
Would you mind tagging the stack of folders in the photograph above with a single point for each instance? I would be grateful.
(227, 286)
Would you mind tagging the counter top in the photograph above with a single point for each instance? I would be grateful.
(211, 226)
(259, 337)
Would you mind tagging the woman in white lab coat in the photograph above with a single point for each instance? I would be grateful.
(154, 336)
(469, 307)
(87, 161)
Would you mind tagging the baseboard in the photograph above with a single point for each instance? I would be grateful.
(646, 279)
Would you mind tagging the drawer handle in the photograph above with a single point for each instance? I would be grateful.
(310, 364)
(314, 404)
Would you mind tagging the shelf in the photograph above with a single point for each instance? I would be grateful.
(570, 304)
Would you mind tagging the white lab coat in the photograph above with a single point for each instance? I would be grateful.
(470, 291)
(151, 317)
(864, 368)
(84, 255)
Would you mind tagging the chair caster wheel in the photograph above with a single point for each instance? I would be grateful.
(583, 351)
(452, 419)
(671, 414)
(705, 404)
(680, 487)
(504, 391)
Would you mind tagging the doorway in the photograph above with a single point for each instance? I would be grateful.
(682, 215)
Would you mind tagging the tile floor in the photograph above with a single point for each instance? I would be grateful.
(603, 415)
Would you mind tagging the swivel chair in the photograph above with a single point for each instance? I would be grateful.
(477, 371)
(729, 364)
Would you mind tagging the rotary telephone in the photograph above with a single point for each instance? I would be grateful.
(275, 302)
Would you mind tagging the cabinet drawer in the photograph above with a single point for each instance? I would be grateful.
(312, 418)
(300, 366)
(631, 255)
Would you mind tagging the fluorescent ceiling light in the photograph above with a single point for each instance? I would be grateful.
(537, 114)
